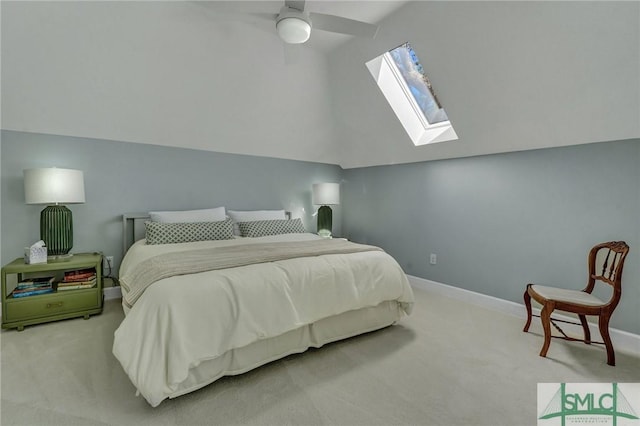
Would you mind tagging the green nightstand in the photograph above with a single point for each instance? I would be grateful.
(19, 312)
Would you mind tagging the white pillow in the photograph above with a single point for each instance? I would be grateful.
(189, 216)
(253, 216)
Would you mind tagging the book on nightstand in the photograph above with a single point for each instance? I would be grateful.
(31, 292)
(33, 286)
(35, 282)
(75, 285)
(79, 275)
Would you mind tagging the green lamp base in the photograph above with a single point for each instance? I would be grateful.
(56, 230)
(325, 218)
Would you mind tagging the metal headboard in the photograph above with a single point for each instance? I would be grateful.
(131, 223)
(133, 228)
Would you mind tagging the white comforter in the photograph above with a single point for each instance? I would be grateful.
(183, 320)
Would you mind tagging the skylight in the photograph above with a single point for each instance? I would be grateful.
(405, 85)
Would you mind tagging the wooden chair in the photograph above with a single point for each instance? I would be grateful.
(606, 261)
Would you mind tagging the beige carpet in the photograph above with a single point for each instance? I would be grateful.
(449, 363)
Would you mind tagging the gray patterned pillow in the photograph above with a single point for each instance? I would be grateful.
(171, 233)
(260, 228)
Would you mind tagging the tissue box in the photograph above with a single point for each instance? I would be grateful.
(35, 255)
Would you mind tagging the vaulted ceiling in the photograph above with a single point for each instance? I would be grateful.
(215, 76)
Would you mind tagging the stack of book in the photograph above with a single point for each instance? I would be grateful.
(74, 280)
(33, 286)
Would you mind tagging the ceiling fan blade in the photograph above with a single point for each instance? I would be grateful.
(338, 24)
(295, 4)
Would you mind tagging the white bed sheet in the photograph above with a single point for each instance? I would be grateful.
(184, 321)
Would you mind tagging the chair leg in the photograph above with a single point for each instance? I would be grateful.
(545, 317)
(585, 327)
(603, 324)
(527, 303)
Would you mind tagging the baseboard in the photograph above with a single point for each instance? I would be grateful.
(112, 293)
(623, 341)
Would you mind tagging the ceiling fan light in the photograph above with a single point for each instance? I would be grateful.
(293, 30)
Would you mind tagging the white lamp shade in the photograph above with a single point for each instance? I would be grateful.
(53, 186)
(293, 30)
(326, 194)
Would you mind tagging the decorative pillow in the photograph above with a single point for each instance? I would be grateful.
(261, 228)
(254, 215)
(188, 216)
(172, 233)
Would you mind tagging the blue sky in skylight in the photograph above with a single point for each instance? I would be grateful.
(413, 73)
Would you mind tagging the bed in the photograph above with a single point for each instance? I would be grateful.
(200, 310)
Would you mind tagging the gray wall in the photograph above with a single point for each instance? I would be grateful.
(498, 222)
(495, 222)
(125, 177)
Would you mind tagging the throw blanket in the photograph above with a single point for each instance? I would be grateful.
(194, 261)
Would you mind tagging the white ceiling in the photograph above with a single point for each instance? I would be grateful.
(215, 76)
(263, 13)
(512, 76)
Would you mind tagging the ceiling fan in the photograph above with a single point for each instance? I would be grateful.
(294, 24)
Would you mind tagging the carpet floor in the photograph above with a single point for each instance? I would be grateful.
(449, 363)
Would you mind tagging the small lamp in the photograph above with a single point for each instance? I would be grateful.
(325, 194)
(54, 186)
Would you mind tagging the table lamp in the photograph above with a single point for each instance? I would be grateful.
(325, 194)
(55, 187)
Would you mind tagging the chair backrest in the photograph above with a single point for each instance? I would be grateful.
(606, 261)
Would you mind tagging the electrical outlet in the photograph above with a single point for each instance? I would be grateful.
(106, 261)
(433, 259)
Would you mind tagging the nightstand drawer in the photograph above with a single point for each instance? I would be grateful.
(47, 305)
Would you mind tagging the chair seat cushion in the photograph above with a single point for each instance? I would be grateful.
(564, 295)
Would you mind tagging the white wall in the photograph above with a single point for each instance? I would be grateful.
(165, 73)
(511, 75)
